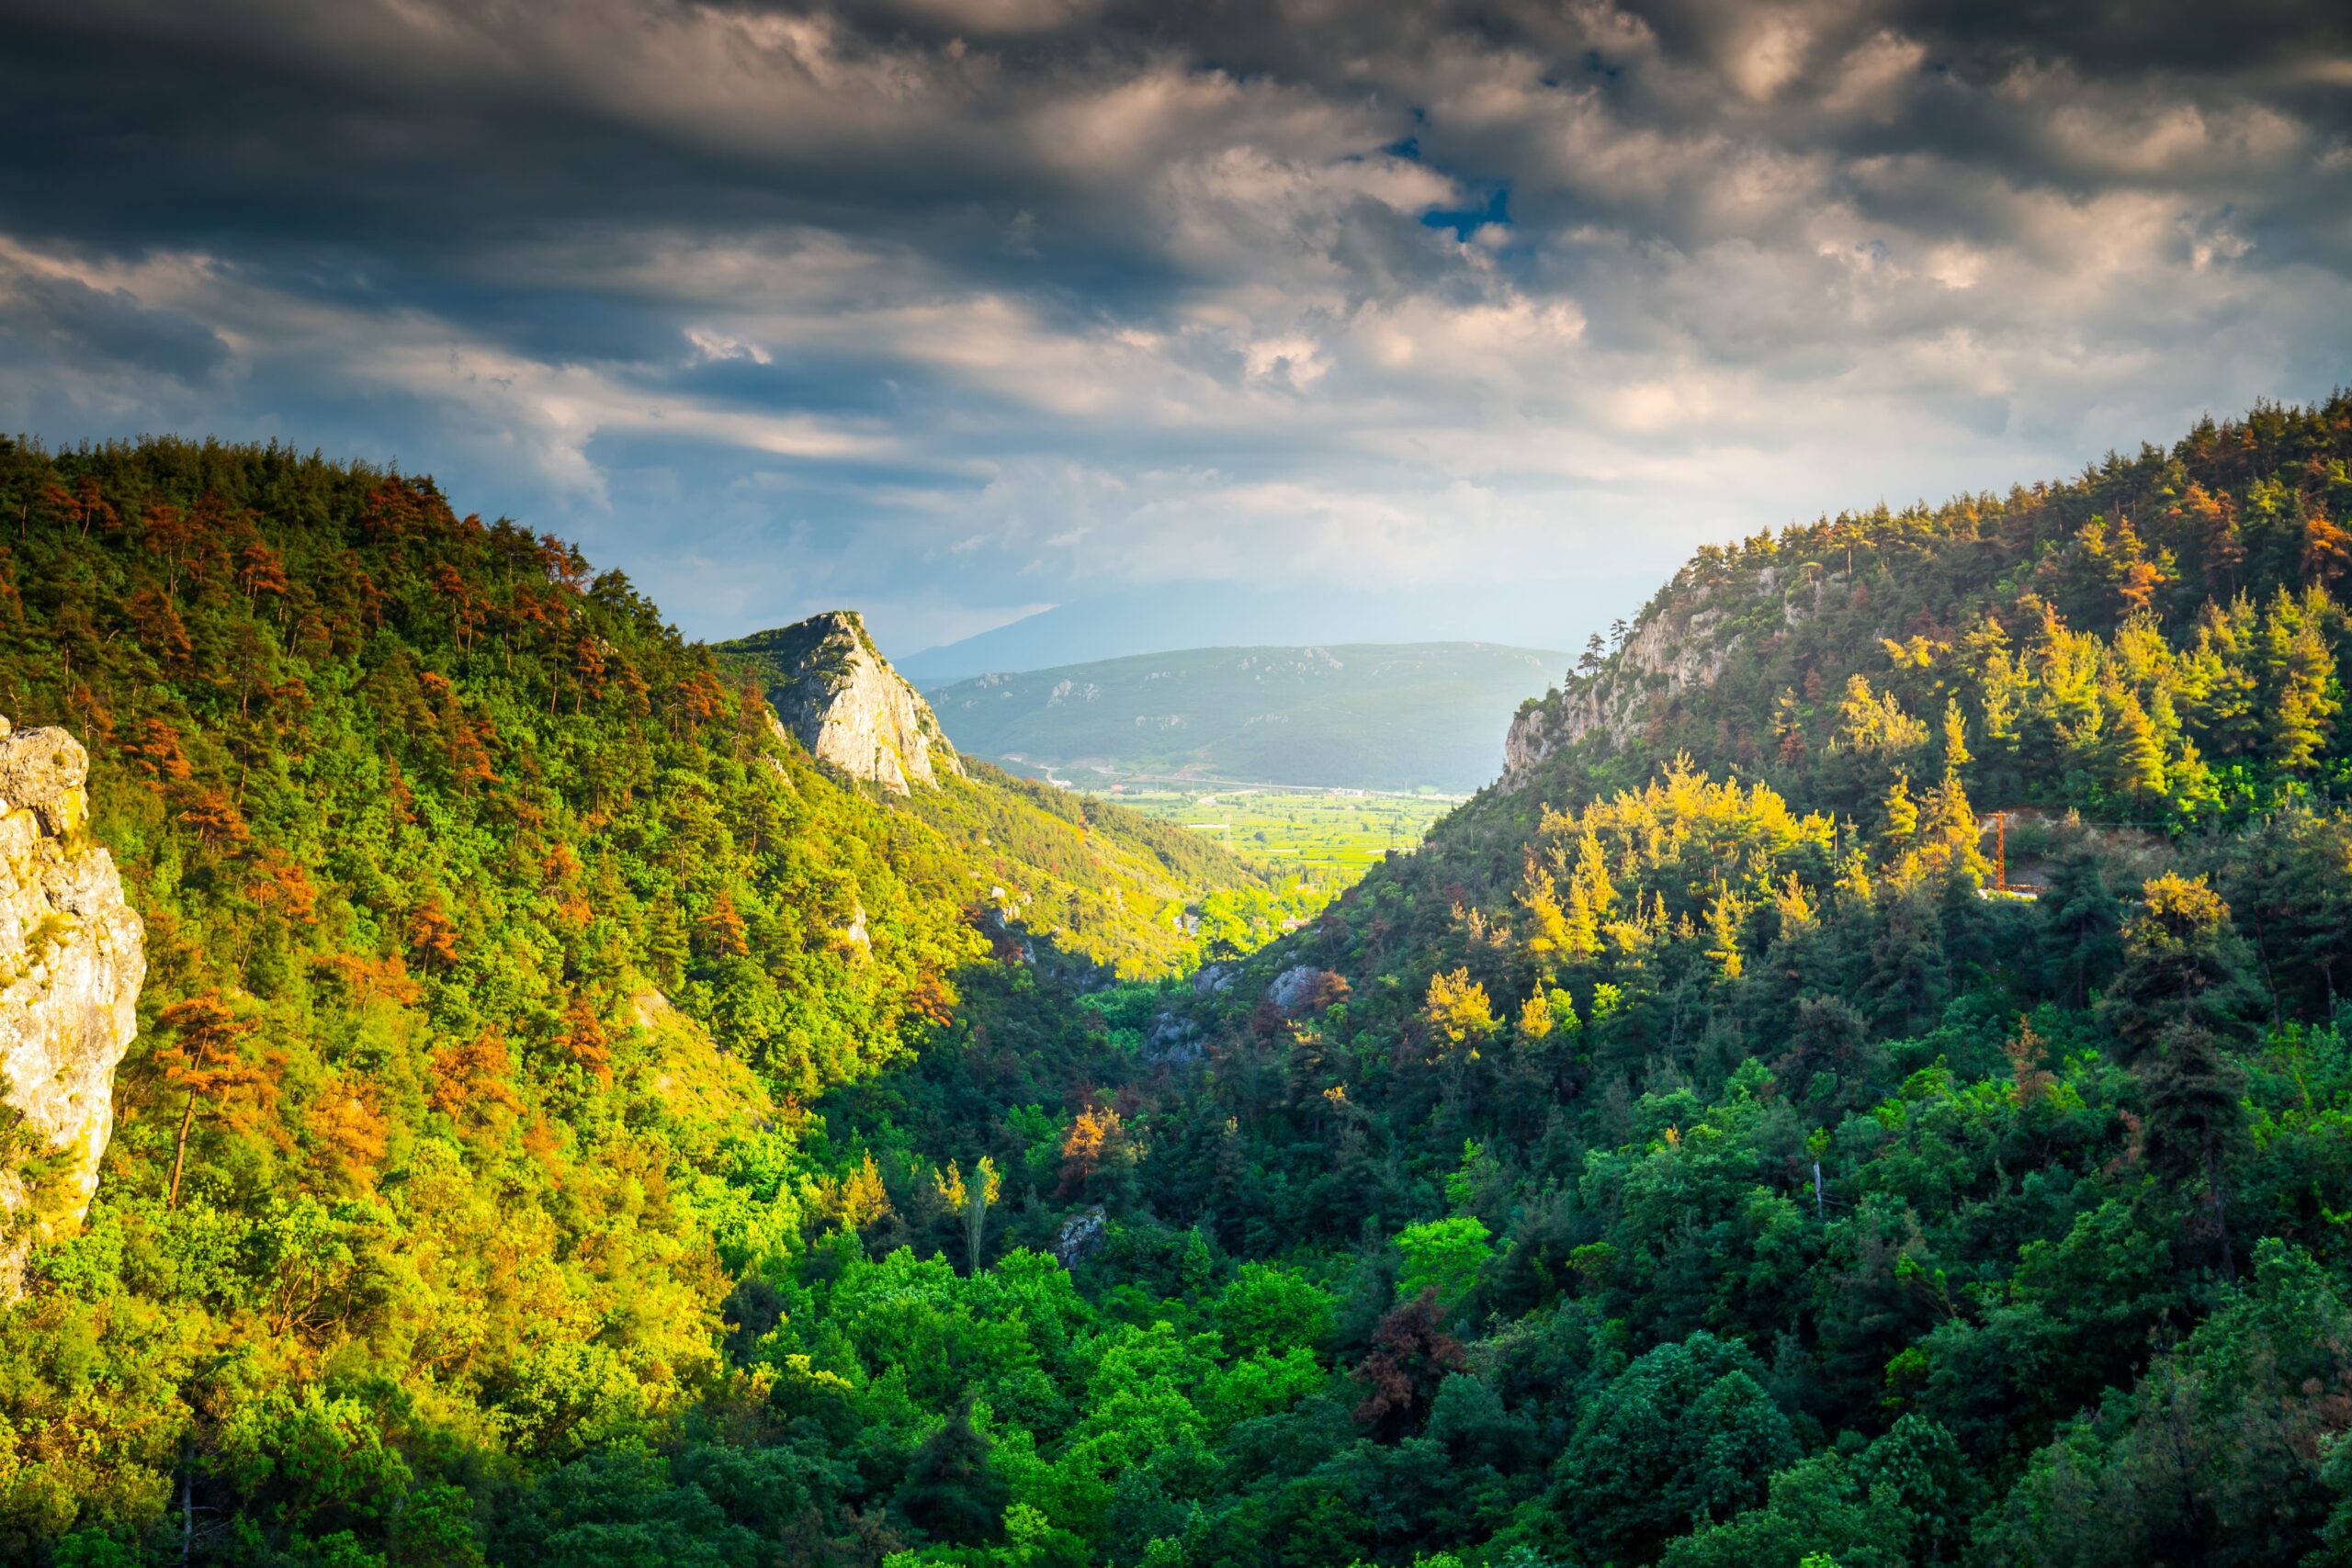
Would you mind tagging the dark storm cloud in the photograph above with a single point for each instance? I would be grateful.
(955, 306)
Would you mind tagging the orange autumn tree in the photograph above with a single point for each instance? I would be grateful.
(583, 1040)
(282, 887)
(350, 1129)
(1096, 1140)
(723, 931)
(261, 570)
(433, 935)
(207, 1064)
(473, 1080)
(217, 823)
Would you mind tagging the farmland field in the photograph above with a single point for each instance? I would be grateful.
(1334, 834)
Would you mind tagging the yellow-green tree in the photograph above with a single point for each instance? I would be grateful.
(1459, 1012)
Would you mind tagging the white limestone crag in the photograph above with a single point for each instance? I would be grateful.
(833, 690)
(1667, 653)
(1684, 641)
(73, 956)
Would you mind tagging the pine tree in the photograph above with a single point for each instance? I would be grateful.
(2081, 940)
(1902, 814)
(1549, 939)
(1458, 1011)
(207, 1064)
(2181, 994)
(1828, 1038)
(2302, 686)
(1956, 754)
(2183, 962)
(1591, 897)
(950, 1492)
(2195, 1116)
(2138, 755)
(985, 1188)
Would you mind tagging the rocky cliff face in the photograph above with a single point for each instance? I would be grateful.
(71, 957)
(833, 689)
(1683, 640)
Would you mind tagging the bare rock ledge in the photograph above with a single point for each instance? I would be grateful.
(73, 956)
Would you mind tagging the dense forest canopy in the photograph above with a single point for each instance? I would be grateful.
(1689, 1156)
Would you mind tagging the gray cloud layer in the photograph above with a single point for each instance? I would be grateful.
(952, 308)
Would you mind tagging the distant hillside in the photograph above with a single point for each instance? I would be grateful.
(1368, 715)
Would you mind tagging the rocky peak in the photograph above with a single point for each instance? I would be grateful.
(73, 955)
(1683, 641)
(1664, 655)
(833, 690)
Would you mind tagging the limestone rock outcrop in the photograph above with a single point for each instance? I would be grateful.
(833, 689)
(73, 956)
(1683, 641)
(1667, 653)
(1081, 1237)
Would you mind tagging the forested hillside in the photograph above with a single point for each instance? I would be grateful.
(497, 947)
(1758, 1187)
(1686, 1158)
(1693, 1161)
(2152, 642)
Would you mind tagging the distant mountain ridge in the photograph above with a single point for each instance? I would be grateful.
(1369, 715)
(1179, 615)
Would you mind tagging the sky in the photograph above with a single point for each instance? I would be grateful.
(953, 310)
